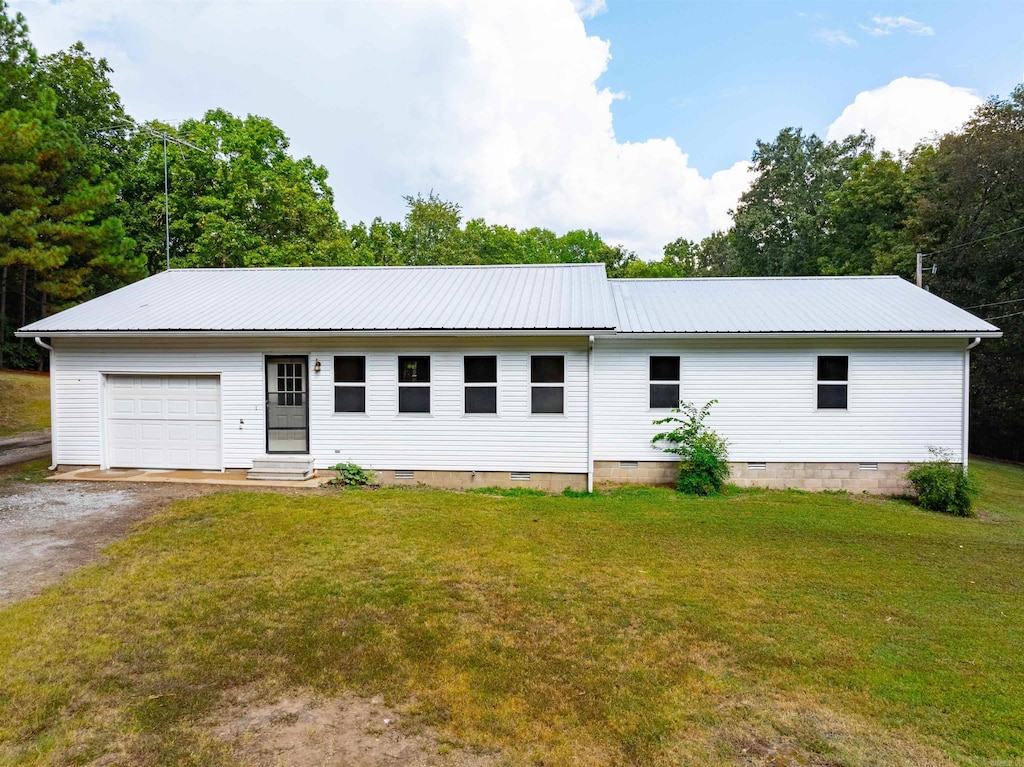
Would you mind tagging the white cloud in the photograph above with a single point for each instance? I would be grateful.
(886, 25)
(493, 105)
(834, 38)
(905, 112)
(588, 9)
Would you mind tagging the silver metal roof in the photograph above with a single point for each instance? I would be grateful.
(550, 298)
(787, 305)
(507, 298)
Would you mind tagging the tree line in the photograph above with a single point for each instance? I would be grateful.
(82, 212)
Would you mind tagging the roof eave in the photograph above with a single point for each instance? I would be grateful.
(818, 334)
(292, 333)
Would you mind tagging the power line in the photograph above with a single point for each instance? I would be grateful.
(972, 242)
(1003, 316)
(996, 303)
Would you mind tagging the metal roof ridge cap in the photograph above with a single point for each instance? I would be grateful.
(371, 267)
(623, 280)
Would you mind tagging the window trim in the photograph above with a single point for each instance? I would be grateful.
(495, 386)
(351, 384)
(542, 385)
(399, 385)
(651, 382)
(818, 382)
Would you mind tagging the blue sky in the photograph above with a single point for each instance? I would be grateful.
(717, 76)
(634, 119)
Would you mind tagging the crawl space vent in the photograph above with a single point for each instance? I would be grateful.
(628, 465)
(403, 474)
(757, 466)
(869, 467)
(520, 476)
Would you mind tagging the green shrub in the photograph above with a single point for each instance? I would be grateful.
(349, 475)
(943, 485)
(703, 455)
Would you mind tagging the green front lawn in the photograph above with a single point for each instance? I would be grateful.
(639, 627)
(26, 402)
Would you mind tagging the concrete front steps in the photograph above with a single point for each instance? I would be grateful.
(281, 468)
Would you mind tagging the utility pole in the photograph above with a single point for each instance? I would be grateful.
(920, 278)
(167, 217)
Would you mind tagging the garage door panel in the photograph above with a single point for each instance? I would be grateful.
(150, 408)
(203, 409)
(179, 407)
(166, 422)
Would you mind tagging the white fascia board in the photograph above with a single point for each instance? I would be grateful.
(823, 334)
(304, 333)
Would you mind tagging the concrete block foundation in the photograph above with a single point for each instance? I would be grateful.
(878, 479)
(552, 482)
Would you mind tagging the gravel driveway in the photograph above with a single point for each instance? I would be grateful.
(50, 528)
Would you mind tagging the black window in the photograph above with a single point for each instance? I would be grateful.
(833, 368)
(481, 369)
(480, 374)
(414, 369)
(547, 369)
(547, 399)
(664, 385)
(664, 368)
(833, 382)
(413, 399)
(414, 384)
(350, 384)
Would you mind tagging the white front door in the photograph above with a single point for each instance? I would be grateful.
(163, 422)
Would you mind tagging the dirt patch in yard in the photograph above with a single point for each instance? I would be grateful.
(302, 730)
(48, 529)
(775, 731)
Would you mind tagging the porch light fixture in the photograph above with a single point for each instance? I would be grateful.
(316, 366)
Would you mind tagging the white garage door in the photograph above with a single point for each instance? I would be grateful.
(163, 422)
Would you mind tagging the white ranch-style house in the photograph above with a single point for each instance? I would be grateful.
(539, 375)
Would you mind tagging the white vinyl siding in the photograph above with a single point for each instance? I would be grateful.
(444, 439)
(904, 396)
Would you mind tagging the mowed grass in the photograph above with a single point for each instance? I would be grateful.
(638, 627)
(26, 402)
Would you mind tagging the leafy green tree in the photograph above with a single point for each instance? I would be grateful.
(715, 255)
(433, 233)
(379, 244)
(867, 219)
(968, 211)
(87, 101)
(782, 222)
(19, 62)
(240, 199)
(56, 237)
(496, 244)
